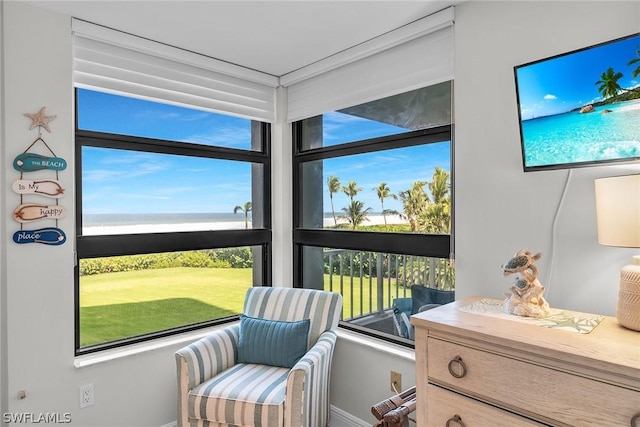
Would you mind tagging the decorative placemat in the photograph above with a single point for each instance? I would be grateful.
(572, 321)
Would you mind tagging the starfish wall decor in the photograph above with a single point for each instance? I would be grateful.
(40, 119)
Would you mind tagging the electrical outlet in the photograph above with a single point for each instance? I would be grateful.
(396, 382)
(86, 395)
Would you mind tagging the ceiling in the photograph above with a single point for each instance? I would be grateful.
(275, 37)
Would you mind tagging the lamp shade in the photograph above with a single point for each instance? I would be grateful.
(618, 210)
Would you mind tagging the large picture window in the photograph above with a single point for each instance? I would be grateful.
(173, 218)
(373, 207)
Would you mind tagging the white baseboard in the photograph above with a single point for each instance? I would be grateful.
(340, 418)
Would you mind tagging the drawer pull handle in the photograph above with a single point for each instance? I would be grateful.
(455, 419)
(635, 419)
(457, 361)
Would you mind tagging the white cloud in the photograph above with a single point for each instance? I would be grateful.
(550, 97)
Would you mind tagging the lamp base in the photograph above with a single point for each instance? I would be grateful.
(628, 310)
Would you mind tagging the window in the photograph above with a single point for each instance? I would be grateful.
(173, 218)
(372, 205)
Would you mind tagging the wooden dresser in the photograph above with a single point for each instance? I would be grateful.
(476, 370)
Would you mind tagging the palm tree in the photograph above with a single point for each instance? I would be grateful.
(609, 83)
(383, 192)
(439, 185)
(246, 209)
(414, 202)
(334, 186)
(355, 213)
(436, 218)
(635, 73)
(351, 189)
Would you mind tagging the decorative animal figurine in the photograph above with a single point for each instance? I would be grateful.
(525, 298)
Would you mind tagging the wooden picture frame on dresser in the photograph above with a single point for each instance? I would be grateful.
(476, 370)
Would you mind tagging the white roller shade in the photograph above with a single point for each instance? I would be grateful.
(408, 58)
(115, 62)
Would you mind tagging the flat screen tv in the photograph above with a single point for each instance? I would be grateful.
(581, 108)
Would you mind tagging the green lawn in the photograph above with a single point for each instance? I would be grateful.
(120, 305)
(114, 306)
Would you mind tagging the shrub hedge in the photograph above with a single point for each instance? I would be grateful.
(215, 258)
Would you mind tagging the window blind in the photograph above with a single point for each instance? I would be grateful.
(411, 57)
(115, 62)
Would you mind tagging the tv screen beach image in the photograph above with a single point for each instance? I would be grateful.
(582, 107)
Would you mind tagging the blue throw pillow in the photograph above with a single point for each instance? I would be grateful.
(422, 296)
(272, 342)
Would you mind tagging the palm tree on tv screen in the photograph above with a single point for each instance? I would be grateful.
(635, 73)
(608, 83)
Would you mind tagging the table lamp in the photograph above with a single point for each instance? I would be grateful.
(618, 218)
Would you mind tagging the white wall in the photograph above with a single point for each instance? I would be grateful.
(361, 374)
(499, 208)
(37, 280)
(3, 232)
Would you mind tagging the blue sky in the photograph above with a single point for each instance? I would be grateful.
(560, 84)
(119, 181)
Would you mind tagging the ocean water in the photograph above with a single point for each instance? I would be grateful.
(587, 137)
(105, 220)
(106, 224)
(125, 219)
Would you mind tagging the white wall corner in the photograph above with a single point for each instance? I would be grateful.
(391, 39)
(281, 194)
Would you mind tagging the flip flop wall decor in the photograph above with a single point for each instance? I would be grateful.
(46, 236)
(29, 162)
(28, 212)
(44, 187)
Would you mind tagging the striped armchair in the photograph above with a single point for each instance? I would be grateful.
(214, 389)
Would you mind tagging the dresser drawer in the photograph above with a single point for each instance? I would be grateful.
(547, 394)
(443, 405)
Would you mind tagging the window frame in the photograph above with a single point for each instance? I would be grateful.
(429, 245)
(94, 246)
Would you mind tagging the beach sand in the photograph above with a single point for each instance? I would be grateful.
(372, 220)
(210, 226)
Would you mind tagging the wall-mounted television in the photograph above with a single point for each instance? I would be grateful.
(581, 108)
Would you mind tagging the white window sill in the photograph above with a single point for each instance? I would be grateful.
(144, 347)
(378, 344)
(189, 337)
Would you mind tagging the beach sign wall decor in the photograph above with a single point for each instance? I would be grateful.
(30, 162)
(44, 187)
(48, 236)
(28, 212)
(27, 162)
